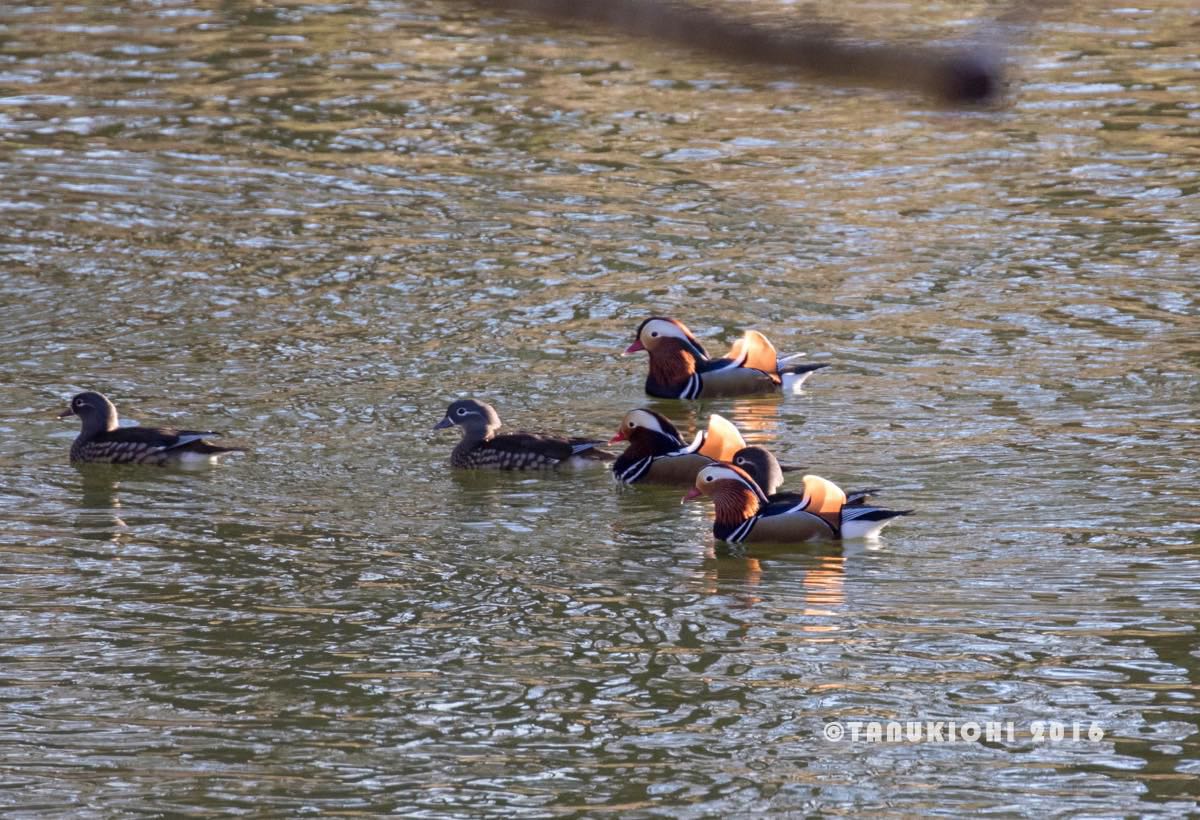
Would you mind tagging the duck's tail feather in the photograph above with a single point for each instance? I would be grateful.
(794, 376)
(857, 498)
(591, 449)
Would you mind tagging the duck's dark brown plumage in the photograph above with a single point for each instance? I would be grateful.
(680, 367)
(483, 447)
(103, 441)
(657, 453)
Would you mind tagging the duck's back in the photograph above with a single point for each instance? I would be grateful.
(526, 451)
(142, 445)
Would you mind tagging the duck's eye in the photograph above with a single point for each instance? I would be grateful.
(740, 461)
(462, 411)
(708, 478)
(632, 424)
(654, 334)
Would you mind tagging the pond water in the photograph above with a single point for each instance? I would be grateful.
(312, 226)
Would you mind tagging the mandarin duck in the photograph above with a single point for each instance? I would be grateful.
(762, 466)
(680, 367)
(745, 515)
(102, 441)
(658, 454)
(482, 447)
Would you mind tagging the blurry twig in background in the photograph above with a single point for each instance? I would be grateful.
(960, 74)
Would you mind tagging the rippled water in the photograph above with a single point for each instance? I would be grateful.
(314, 225)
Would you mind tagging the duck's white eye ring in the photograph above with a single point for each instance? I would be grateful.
(740, 460)
(462, 411)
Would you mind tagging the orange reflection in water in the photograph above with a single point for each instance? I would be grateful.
(822, 578)
(757, 420)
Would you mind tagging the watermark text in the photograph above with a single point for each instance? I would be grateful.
(954, 731)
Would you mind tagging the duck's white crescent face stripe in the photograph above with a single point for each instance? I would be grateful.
(658, 328)
(640, 418)
(717, 472)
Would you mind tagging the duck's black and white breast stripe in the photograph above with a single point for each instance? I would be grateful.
(635, 471)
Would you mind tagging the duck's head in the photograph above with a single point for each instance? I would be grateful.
(472, 415)
(94, 410)
(657, 332)
(639, 420)
(724, 479)
(761, 465)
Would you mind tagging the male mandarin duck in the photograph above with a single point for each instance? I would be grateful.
(482, 448)
(762, 466)
(745, 515)
(102, 440)
(680, 367)
(658, 454)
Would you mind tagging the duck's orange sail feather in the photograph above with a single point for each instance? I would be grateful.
(824, 498)
(759, 352)
(722, 439)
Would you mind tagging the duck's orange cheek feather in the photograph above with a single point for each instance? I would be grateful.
(734, 504)
(670, 363)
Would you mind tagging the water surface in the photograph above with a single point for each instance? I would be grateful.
(313, 226)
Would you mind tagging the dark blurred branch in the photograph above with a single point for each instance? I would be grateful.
(964, 74)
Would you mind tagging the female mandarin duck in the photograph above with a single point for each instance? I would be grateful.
(658, 454)
(745, 515)
(680, 367)
(102, 441)
(761, 465)
(482, 448)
